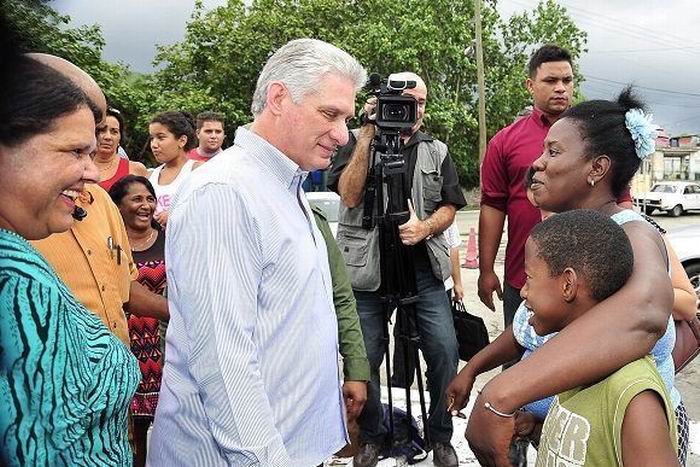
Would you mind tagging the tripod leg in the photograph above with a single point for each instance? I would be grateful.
(421, 396)
(407, 346)
(408, 332)
(387, 360)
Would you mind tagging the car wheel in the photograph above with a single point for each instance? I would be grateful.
(676, 211)
(648, 211)
(693, 271)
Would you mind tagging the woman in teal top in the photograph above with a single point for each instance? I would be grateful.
(65, 380)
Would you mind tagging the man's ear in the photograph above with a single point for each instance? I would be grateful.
(528, 84)
(569, 285)
(276, 94)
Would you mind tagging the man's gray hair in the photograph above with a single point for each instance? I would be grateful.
(300, 64)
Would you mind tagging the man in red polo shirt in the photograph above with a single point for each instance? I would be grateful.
(210, 134)
(508, 156)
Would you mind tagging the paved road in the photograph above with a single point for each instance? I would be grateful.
(467, 219)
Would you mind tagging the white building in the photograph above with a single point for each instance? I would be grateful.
(676, 158)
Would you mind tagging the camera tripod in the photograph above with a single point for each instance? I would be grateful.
(388, 177)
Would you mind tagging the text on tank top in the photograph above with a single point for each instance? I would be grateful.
(165, 193)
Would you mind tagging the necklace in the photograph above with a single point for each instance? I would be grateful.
(107, 167)
(145, 244)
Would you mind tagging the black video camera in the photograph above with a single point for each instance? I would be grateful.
(394, 111)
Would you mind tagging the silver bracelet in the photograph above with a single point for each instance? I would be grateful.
(488, 406)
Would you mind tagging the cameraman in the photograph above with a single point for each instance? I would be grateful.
(432, 184)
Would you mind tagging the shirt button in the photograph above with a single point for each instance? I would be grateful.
(114, 325)
(103, 287)
(89, 252)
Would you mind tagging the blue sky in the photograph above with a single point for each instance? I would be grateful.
(652, 44)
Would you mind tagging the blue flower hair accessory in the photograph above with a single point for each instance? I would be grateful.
(643, 132)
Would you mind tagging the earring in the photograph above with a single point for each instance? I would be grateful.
(591, 182)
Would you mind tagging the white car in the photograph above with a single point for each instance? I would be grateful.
(673, 197)
(329, 202)
(684, 241)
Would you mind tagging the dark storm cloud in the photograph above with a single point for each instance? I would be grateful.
(646, 42)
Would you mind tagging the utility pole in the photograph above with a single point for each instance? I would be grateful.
(480, 81)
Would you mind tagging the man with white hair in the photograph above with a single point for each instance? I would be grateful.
(432, 184)
(252, 361)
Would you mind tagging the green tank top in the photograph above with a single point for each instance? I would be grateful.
(584, 425)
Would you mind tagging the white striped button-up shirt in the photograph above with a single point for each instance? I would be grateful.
(252, 355)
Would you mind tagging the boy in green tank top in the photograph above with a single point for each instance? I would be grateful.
(574, 260)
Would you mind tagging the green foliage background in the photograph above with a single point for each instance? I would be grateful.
(216, 66)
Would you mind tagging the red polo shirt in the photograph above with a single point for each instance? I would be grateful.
(194, 155)
(508, 156)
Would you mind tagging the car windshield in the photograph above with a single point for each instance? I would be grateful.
(664, 189)
(328, 206)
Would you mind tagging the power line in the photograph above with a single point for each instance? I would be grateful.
(626, 51)
(619, 23)
(618, 26)
(617, 85)
(694, 117)
(678, 106)
(648, 88)
(595, 90)
(608, 93)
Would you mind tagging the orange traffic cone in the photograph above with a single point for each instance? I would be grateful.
(471, 261)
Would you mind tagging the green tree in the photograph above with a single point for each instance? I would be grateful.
(217, 64)
(506, 64)
(42, 29)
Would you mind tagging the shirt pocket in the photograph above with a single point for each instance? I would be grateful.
(354, 249)
(432, 189)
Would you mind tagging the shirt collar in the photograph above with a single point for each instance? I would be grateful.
(540, 119)
(279, 165)
(418, 137)
(208, 155)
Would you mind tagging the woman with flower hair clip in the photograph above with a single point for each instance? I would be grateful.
(589, 157)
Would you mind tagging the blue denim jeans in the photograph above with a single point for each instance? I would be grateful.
(438, 344)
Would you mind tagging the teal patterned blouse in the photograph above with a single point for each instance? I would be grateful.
(65, 380)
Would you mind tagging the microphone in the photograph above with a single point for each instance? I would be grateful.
(79, 213)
